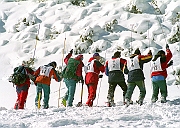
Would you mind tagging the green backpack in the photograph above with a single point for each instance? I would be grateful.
(69, 71)
(19, 76)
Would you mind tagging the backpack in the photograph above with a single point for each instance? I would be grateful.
(19, 76)
(69, 71)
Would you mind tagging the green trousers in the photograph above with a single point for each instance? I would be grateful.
(46, 90)
(131, 87)
(159, 86)
(69, 95)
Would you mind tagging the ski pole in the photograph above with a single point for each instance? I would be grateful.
(36, 43)
(131, 38)
(100, 83)
(80, 103)
(99, 92)
(61, 71)
(39, 100)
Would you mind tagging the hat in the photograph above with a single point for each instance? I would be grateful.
(96, 54)
(161, 52)
(54, 64)
(117, 54)
(137, 51)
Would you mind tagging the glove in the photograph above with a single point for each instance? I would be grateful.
(100, 76)
(167, 46)
(32, 77)
(150, 52)
(170, 63)
(81, 79)
(59, 72)
(102, 60)
(71, 51)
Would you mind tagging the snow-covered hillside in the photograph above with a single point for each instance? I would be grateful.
(103, 26)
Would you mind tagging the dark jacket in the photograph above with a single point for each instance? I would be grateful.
(137, 74)
(27, 82)
(116, 75)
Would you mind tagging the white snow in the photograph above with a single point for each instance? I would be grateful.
(53, 21)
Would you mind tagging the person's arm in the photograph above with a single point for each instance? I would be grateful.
(30, 71)
(100, 66)
(125, 69)
(169, 55)
(36, 73)
(145, 58)
(68, 56)
(56, 76)
(106, 69)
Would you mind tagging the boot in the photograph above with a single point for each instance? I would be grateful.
(64, 102)
(163, 100)
(124, 102)
(127, 102)
(140, 102)
(153, 100)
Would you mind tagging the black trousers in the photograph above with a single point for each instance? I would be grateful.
(112, 87)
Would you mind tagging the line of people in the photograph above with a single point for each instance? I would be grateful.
(114, 68)
(42, 79)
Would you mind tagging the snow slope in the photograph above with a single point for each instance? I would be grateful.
(52, 22)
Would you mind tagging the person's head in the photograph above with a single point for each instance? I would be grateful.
(137, 52)
(24, 63)
(79, 57)
(117, 54)
(53, 64)
(96, 56)
(161, 54)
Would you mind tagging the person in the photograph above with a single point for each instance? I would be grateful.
(92, 71)
(76, 65)
(43, 80)
(136, 75)
(115, 69)
(159, 73)
(22, 89)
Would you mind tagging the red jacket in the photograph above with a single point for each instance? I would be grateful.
(164, 65)
(93, 77)
(79, 68)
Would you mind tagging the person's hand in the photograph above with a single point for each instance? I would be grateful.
(100, 76)
(71, 51)
(170, 63)
(81, 80)
(167, 46)
(150, 52)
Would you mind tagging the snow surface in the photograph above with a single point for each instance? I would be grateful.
(19, 25)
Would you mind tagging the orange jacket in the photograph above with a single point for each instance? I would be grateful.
(46, 79)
